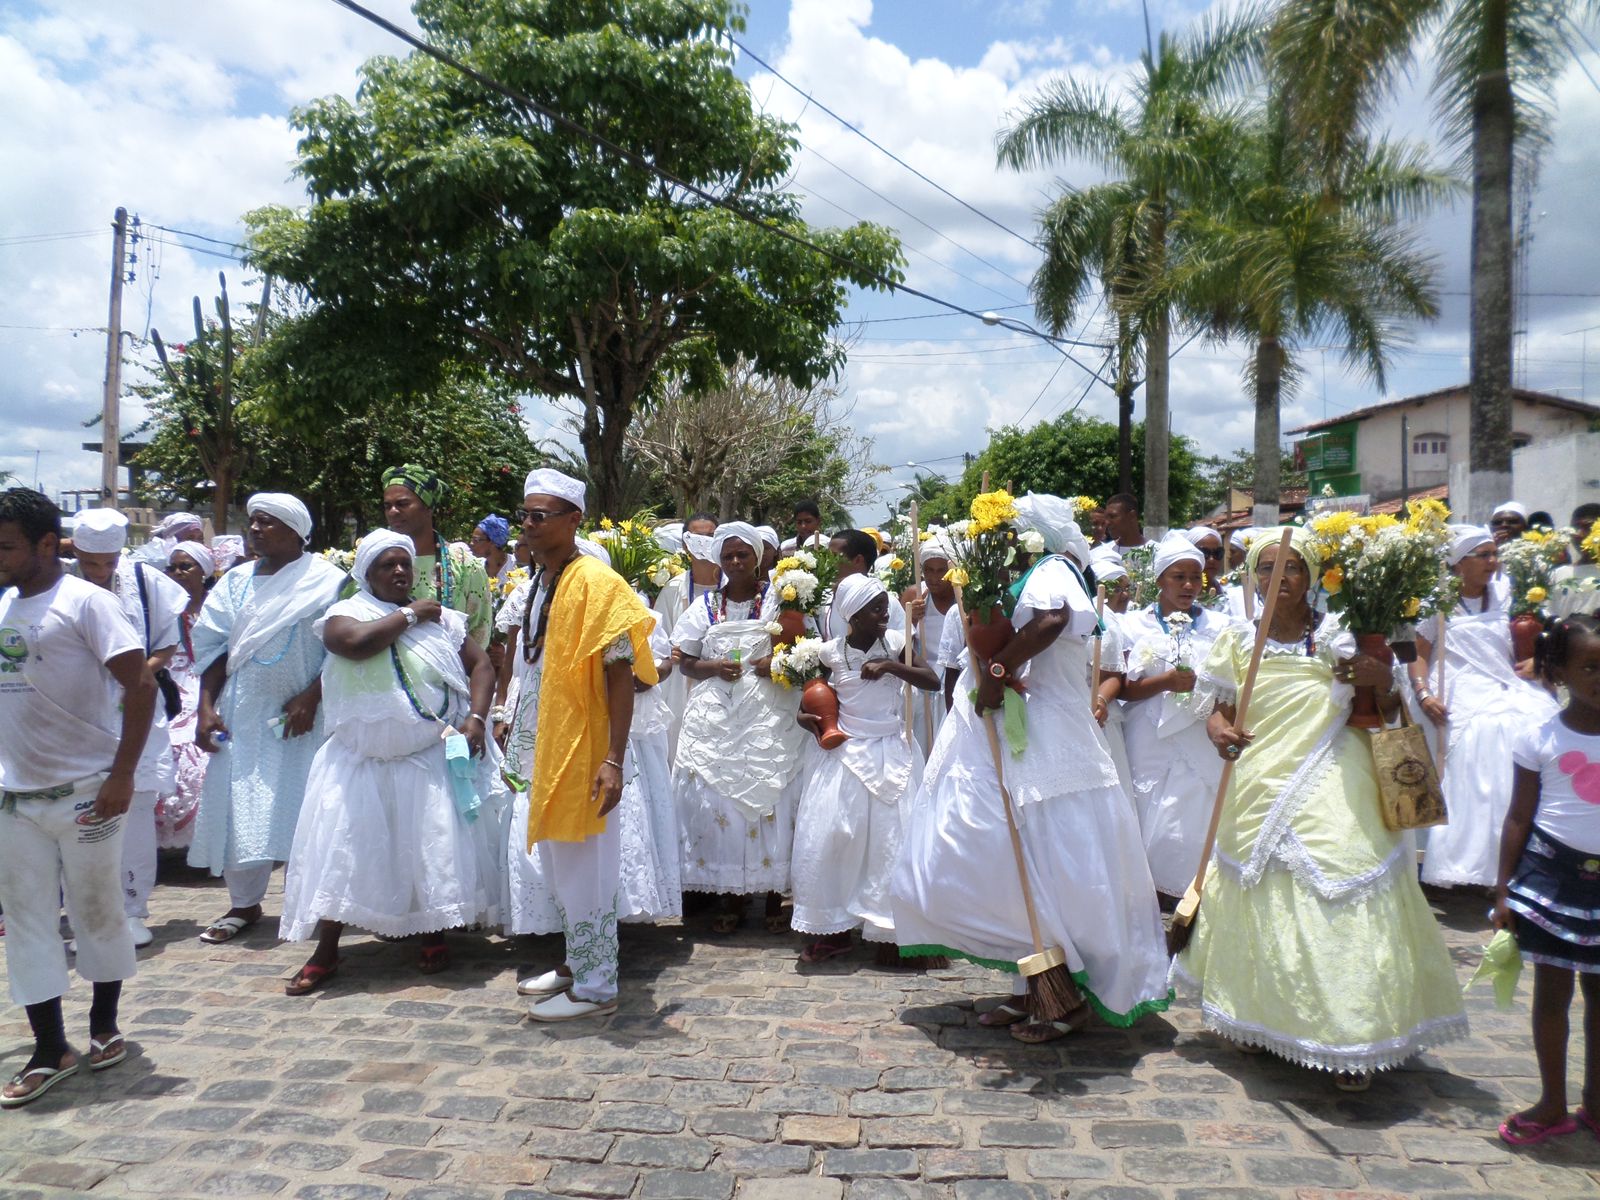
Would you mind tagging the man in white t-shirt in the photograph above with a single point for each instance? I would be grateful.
(67, 762)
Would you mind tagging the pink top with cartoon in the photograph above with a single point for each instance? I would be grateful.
(1569, 781)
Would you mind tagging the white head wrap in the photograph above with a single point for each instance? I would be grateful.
(855, 592)
(374, 544)
(1174, 549)
(735, 531)
(769, 535)
(1056, 521)
(227, 549)
(592, 548)
(100, 531)
(283, 507)
(198, 552)
(177, 523)
(1200, 533)
(1510, 506)
(1106, 561)
(546, 482)
(937, 546)
(1466, 539)
(670, 537)
(1240, 539)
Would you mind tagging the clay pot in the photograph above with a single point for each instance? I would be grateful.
(1364, 712)
(793, 627)
(1525, 631)
(986, 638)
(821, 701)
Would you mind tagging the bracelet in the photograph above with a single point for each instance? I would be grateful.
(1424, 694)
(410, 615)
(477, 717)
(497, 713)
(611, 762)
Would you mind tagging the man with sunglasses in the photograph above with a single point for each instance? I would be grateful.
(1507, 522)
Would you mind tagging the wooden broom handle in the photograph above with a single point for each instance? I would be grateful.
(1100, 616)
(916, 579)
(1438, 690)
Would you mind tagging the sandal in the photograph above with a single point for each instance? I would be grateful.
(726, 922)
(1003, 1014)
(1517, 1130)
(226, 928)
(821, 952)
(777, 923)
(107, 1053)
(435, 957)
(1586, 1119)
(1035, 1033)
(1354, 1081)
(308, 979)
(48, 1077)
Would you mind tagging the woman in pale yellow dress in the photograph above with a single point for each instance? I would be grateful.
(1313, 941)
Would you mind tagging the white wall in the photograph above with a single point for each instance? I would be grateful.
(1558, 475)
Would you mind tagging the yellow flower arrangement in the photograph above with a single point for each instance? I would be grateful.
(1084, 504)
(790, 593)
(605, 523)
(1591, 544)
(786, 564)
(990, 510)
(957, 577)
(1333, 580)
(1426, 515)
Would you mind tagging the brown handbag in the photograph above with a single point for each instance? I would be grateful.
(1409, 794)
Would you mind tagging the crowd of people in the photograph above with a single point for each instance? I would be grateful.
(505, 735)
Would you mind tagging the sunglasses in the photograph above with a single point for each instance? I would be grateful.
(1216, 553)
(539, 515)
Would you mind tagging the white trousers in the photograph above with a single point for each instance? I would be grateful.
(139, 854)
(584, 877)
(247, 886)
(48, 847)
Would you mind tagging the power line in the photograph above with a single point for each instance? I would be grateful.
(927, 316)
(31, 239)
(638, 162)
(810, 99)
(199, 237)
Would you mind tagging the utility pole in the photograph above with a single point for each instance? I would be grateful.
(111, 413)
(261, 313)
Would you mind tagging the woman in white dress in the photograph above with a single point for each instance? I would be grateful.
(1109, 572)
(853, 810)
(191, 566)
(1175, 769)
(387, 839)
(1483, 707)
(955, 890)
(929, 607)
(736, 775)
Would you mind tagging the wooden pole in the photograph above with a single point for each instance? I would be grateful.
(984, 486)
(916, 577)
(1100, 616)
(110, 402)
(1438, 690)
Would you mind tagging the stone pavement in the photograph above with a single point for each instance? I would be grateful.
(727, 1071)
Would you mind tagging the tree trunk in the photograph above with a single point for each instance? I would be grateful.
(603, 436)
(221, 494)
(1492, 269)
(1269, 456)
(1157, 432)
(1125, 386)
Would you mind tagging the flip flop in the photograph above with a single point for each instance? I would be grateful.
(49, 1076)
(1002, 1015)
(821, 952)
(1516, 1130)
(1035, 1033)
(308, 979)
(111, 1051)
(725, 922)
(225, 929)
(1352, 1081)
(1586, 1119)
(434, 958)
(776, 923)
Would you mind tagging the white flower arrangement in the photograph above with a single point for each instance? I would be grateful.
(1032, 541)
(797, 665)
(797, 589)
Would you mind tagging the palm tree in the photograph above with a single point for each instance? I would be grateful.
(1496, 63)
(1288, 254)
(1155, 144)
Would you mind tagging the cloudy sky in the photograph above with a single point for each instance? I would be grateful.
(178, 110)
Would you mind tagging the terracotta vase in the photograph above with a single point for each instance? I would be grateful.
(1364, 712)
(986, 638)
(821, 701)
(793, 627)
(1525, 631)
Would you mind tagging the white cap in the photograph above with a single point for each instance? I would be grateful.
(100, 531)
(547, 482)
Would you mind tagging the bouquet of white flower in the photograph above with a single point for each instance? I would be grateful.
(796, 665)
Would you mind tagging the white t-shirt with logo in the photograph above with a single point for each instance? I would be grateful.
(1568, 764)
(60, 717)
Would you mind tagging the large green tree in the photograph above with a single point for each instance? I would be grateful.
(1158, 142)
(1497, 61)
(449, 223)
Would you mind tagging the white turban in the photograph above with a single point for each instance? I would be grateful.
(937, 546)
(1106, 562)
(198, 552)
(546, 482)
(1174, 549)
(1510, 506)
(100, 531)
(1240, 539)
(670, 537)
(702, 546)
(283, 507)
(177, 523)
(855, 592)
(1464, 540)
(769, 535)
(227, 549)
(735, 531)
(592, 548)
(1200, 533)
(375, 543)
(1056, 520)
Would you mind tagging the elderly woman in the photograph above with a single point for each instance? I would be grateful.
(191, 567)
(386, 838)
(1175, 771)
(1484, 706)
(955, 890)
(1314, 940)
(488, 544)
(736, 776)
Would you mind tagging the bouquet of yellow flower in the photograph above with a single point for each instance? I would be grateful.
(797, 665)
(1528, 561)
(1381, 573)
(635, 553)
(983, 549)
(1591, 543)
(899, 573)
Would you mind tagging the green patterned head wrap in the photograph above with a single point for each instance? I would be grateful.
(430, 489)
(1300, 541)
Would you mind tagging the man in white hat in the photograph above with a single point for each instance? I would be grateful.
(1508, 521)
(153, 605)
(69, 661)
(260, 704)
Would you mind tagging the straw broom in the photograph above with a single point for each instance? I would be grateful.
(1182, 927)
(1051, 993)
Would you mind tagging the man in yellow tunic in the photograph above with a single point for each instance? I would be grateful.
(585, 638)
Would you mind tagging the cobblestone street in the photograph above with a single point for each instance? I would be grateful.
(727, 1071)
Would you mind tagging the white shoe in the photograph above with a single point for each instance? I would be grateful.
(71, 945)
(564, 1007)
(142, 936)
(551, 983)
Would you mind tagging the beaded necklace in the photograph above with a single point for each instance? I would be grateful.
(533, 637)
(720, 613)
(411, 695)
(443, 579)
(844, 650)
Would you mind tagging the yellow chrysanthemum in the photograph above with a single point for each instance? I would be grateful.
(790, 593)
(1426, 514)
(990, 510)
(1536, 595)
(1333, 580)
(1085, 504)
(1591, 544)
(605, 523)
(1412, 608)
(898, 564)
(1536, 537)
(787, 564)
(957, 577)
(924, 536)
(1334, 525)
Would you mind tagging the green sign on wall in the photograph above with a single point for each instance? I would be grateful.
(1331, 451)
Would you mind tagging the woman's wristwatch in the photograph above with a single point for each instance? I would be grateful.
(410, 614)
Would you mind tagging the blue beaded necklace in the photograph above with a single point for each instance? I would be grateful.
(411, 695)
